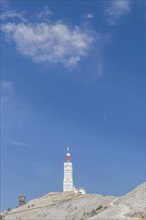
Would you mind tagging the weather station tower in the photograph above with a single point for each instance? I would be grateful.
(68, 173)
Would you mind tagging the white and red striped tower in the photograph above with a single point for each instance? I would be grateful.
(68, 173)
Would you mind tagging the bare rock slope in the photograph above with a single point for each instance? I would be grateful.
(81, 207)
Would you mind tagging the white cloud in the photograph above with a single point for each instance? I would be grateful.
(116, 9)
(54, 43)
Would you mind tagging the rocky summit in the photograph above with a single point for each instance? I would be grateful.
(69, 205)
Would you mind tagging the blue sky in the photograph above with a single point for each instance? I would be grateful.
(72, 72)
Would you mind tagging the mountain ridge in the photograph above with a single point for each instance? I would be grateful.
(75, 206)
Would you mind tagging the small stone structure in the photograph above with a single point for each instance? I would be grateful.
(22, 200)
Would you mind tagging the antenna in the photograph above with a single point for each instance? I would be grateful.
(68, 146)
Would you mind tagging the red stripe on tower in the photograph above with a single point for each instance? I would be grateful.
(68, 154)
(68, 157)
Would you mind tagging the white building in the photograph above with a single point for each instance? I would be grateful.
(68, 176)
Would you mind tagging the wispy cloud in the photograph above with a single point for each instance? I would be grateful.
(45, 14)
(105, 117)
(116, 9)
(49, 42)
(89, 16)
(12, 14)
(4, 4)
(6, 87)
(18, 144)
(14, 113)
(99, 69)
(6, 93)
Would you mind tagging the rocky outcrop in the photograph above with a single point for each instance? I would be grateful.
(130, 206)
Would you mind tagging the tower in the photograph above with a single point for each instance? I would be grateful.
(68, 174)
